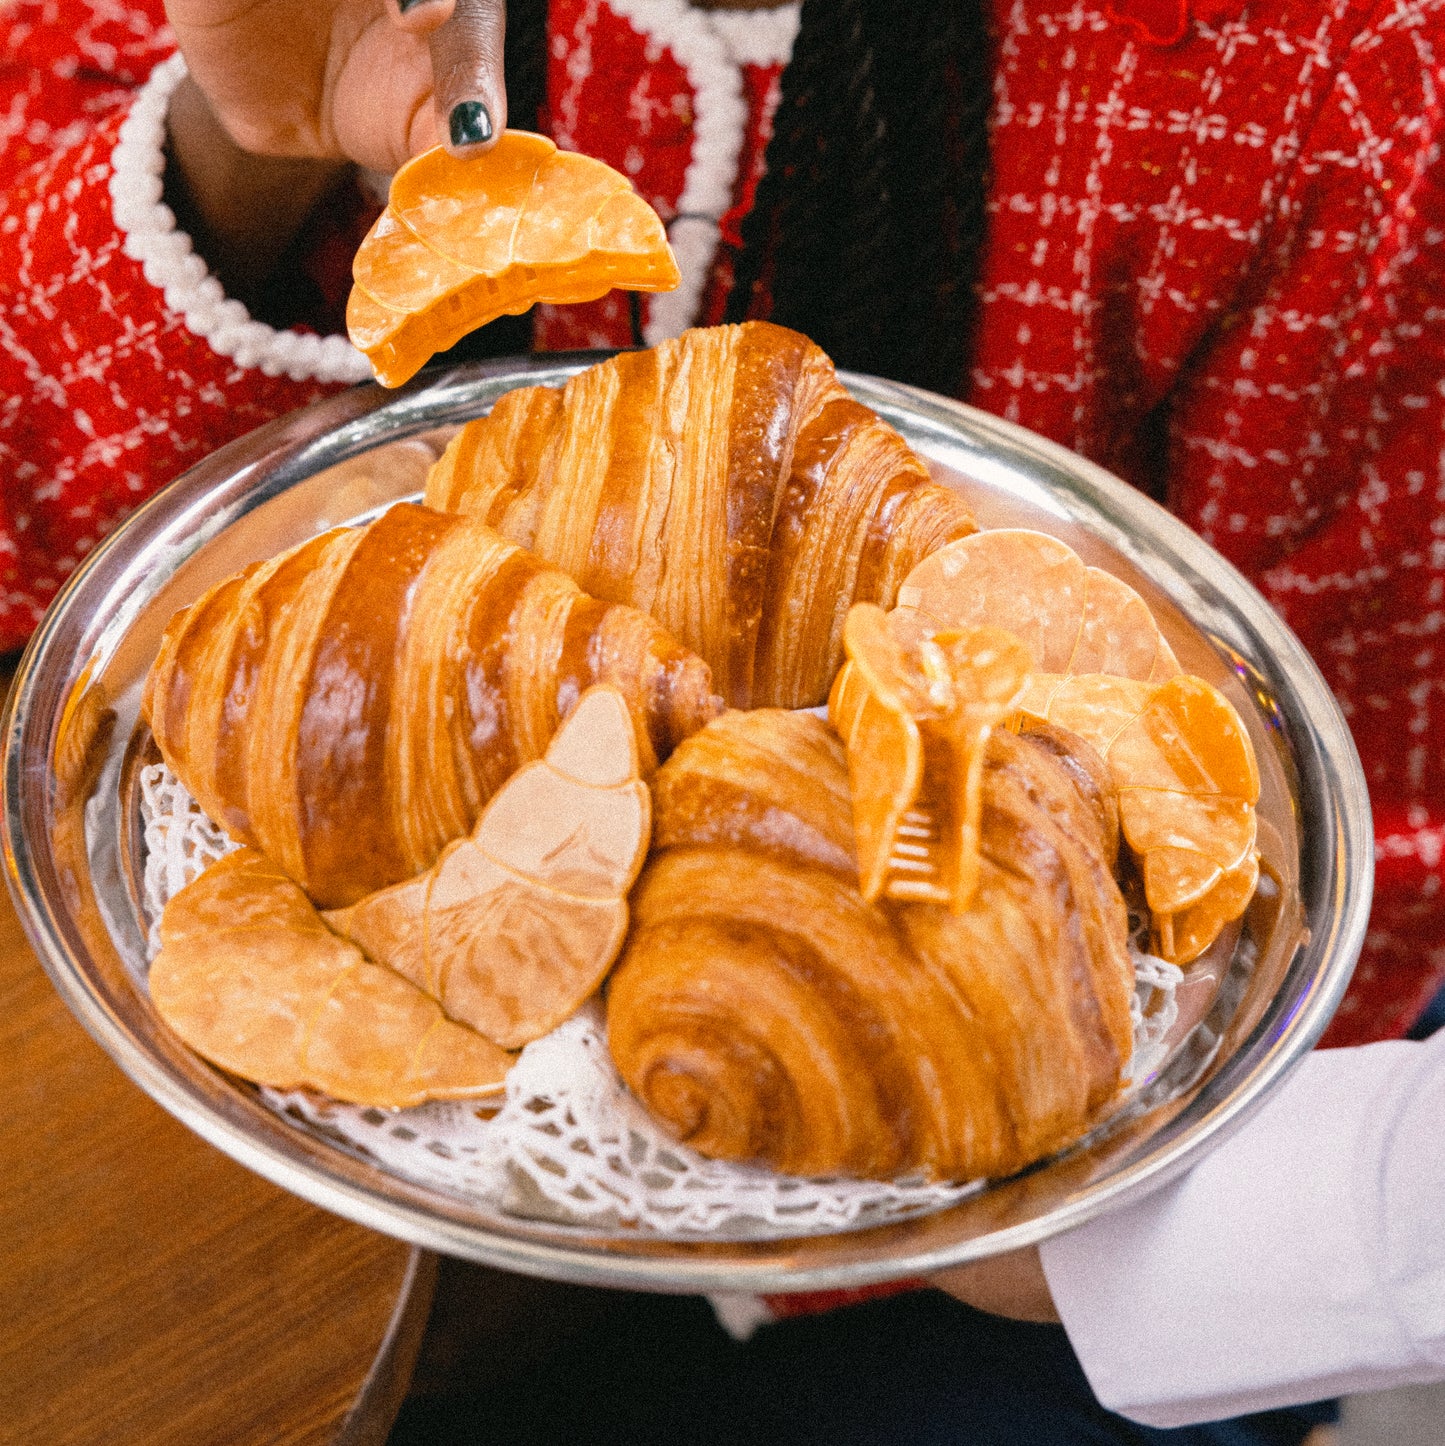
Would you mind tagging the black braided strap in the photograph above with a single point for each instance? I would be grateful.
(867, 226)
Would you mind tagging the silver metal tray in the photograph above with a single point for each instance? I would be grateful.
(1250, 1011)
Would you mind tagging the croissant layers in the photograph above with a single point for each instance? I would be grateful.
(725, 483)
(764, 1012)
(349, 707)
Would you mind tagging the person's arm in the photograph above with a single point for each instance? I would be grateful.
(1303, 1259)
(123, 358)
(280, 103)
(241, 210)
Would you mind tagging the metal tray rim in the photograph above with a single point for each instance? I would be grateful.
(350, 422)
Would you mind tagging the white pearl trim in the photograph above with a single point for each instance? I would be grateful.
(711, 46)
(758, 37)
(170, 262)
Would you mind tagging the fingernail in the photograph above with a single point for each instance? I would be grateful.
(470, 123)
(405, 5)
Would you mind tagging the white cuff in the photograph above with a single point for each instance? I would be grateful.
(1301, 1259)
(171, 264)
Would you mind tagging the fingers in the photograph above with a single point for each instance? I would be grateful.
(1012, 1284)
(466, 41)
(380, 103)
(421, 17)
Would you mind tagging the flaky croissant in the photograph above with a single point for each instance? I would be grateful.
(349, 707)
(762, 1011)
(724, 482)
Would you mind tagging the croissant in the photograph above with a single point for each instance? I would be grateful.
(724, 482)
(463, 242)
(349, 707)
(762, 1011)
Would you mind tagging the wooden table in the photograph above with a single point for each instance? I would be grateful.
(155, 1292)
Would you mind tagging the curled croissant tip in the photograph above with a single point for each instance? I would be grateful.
(679, 1099)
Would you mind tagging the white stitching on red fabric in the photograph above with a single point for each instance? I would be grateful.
(171, 264)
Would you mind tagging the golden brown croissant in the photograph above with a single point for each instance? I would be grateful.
(724, 482)
(350, 706)
(764, 1012)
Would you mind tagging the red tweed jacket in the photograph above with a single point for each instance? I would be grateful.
(1221, 228)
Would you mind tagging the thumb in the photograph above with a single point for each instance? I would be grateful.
(466, 41)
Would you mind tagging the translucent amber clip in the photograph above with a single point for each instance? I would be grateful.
(1188, 782)
(462, 242)
(515, 925)
(915, 718)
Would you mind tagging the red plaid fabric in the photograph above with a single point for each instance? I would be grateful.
(1215, 266)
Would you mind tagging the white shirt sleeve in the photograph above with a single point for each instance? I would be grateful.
(1304, 1258)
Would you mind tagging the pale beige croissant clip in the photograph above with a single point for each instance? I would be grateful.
(250, 978)
(514, 926)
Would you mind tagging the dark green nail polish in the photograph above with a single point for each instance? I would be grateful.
(470, 123)
(405, 5)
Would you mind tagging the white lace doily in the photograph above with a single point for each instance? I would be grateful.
(568, 1142)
